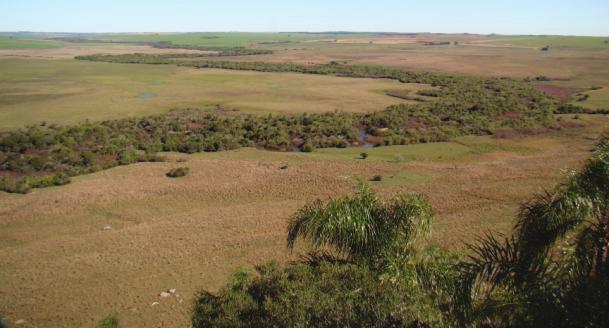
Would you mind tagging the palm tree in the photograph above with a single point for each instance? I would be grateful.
(387, 236)
(362, 228)
(554, 270)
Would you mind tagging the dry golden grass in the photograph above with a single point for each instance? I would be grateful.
(60, 267)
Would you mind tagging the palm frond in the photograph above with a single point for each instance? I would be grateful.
(347, 224)
(547, 218)
(492, 263)
(362, 226)
(410, 217)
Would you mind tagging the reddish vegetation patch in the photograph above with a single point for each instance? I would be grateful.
(561, 93)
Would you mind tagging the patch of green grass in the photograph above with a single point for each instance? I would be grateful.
(7, 42)
(108, 322)
(557, 41)
(487, 144)
(398, 154)
(462, 146)
(598, 99)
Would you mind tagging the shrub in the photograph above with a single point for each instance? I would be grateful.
(377, 178)
(363, 155)
(108, 322)
(307, 148)
(127, 157)
(324, 294)
(177, 172)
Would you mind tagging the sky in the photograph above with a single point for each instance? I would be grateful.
(565, 17)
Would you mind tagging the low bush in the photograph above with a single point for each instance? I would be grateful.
(377, 178)
(108, 322)
(177, 172)
(324, 294)
(307, 148)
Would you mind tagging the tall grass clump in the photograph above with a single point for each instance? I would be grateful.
(109, 321)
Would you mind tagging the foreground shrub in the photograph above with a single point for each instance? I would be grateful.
(326, 294)
(177, 172)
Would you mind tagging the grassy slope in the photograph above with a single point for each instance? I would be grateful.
(68, 91)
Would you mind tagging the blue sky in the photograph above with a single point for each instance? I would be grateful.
(582, 17)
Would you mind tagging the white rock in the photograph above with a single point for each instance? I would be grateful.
(173, 290)
(155, 304)
(164, 294)
(107, 228)
(20, 322)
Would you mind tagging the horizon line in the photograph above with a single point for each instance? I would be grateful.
(303, 32)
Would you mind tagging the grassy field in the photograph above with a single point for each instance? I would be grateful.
(7, 42)
(598, 98)
(68, 91)
(556, 41)
(111, 241)
(217, 39)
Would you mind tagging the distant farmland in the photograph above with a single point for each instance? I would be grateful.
(557, 41)
(22, 43)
